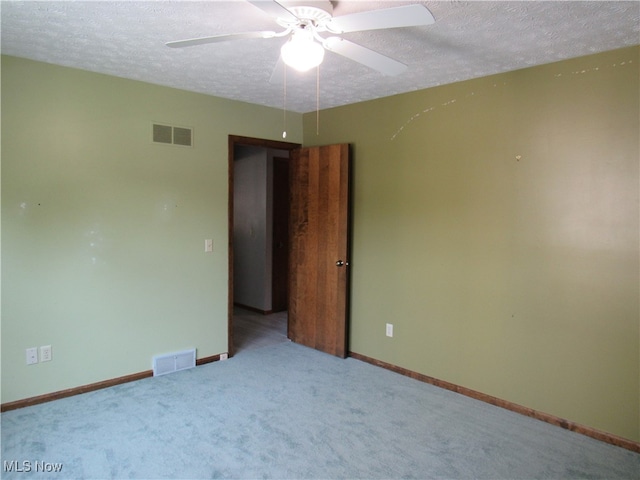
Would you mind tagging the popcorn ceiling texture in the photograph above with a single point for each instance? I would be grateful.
(469, 39)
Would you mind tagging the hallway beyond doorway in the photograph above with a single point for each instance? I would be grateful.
(256, 330)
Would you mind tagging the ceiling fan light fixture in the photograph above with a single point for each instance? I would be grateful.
(302, 52)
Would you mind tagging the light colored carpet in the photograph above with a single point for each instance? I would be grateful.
(286, 411)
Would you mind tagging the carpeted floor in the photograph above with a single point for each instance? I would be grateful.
(286, 411)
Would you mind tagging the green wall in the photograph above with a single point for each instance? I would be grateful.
(103, 231)
(496, 226)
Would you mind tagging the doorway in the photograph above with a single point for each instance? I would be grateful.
(258, 241)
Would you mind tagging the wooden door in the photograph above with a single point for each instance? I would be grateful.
(280, 249)
(319, 241)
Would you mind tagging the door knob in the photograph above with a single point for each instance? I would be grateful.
(339, 263)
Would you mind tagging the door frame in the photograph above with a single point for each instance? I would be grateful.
(233, 141)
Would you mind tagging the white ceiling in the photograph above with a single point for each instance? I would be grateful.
(468, 40)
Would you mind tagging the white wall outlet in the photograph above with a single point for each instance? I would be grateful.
(224, 356)
(208, 245)
(32, 355)
(45, 353)
(389, 329)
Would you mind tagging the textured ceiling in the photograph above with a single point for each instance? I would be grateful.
(468, 40)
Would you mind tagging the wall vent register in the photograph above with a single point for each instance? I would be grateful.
(173, 362)
(171, 135)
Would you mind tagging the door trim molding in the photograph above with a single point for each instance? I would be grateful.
(234, 141)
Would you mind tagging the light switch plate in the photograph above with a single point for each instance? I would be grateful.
(32, 355)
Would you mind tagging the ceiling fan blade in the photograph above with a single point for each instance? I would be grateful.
(405, 16)
(360, 54)
(274, 9)
(219, 38)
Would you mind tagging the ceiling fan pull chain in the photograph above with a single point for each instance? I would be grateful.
(317, 100)
(284, 105)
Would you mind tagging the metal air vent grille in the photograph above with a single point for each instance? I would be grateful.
(172, 135)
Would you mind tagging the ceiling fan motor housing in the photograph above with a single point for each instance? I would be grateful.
(308, 12)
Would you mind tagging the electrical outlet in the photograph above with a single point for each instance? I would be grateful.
(224, 356)
(45, 353)
(389, 329)
(32, 355)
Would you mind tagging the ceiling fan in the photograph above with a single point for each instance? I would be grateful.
(305, 21)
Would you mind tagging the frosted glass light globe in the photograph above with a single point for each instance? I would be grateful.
(301, 52)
